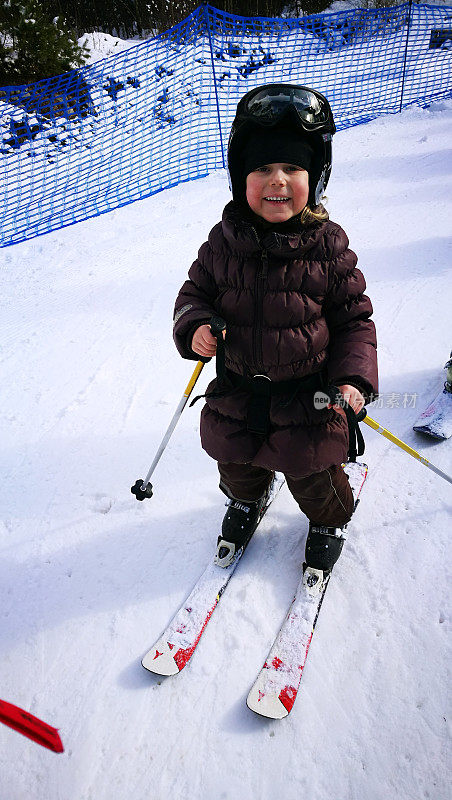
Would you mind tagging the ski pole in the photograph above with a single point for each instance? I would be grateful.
(142, 489)
(363, 417)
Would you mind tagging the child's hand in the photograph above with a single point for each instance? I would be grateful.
(203, 343)
(352, 396)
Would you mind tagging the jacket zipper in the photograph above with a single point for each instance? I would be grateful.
(260, 283)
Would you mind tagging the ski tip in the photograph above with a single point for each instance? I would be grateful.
(424, 429)
(160, 660)
(266, 705)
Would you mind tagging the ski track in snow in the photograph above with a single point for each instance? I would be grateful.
(90, 578)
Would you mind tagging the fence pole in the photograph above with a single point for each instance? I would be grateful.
(406, 53)
(206, 11)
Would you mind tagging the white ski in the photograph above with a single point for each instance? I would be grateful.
(436, 420)
(173, 650)
(275, 689)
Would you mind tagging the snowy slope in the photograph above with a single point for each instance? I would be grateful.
(89, 380)
(101, 45)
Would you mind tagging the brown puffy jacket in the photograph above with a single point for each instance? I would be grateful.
(293, 305)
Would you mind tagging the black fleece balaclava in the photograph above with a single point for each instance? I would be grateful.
(275, 145)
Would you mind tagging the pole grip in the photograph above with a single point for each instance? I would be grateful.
(217, 326)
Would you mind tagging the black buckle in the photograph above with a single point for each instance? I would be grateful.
(261, 384)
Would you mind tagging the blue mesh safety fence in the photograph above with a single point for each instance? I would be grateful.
(94, 139)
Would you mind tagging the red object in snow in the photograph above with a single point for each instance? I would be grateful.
(30, 726)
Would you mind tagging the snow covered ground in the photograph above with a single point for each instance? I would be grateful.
(102, 45)
(89, 577)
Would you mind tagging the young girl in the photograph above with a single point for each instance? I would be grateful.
(281, 275)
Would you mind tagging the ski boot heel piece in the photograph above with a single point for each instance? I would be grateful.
(314, 580)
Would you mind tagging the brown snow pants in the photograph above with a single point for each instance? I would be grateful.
(325, 497)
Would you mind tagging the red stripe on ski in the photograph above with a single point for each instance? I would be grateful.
(30, 726)
(182, 657)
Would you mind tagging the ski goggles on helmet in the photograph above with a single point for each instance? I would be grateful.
(268, 105)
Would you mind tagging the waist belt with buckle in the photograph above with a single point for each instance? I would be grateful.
(262, 389)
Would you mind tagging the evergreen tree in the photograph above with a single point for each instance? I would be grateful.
(128, 18)
(297, 8)
(123, 18)
(32, 46)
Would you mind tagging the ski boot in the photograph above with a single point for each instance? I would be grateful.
(323, 548)
(239, 523)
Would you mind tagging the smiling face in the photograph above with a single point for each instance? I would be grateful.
(277, 192)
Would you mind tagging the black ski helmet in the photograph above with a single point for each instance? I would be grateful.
(279, 106)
